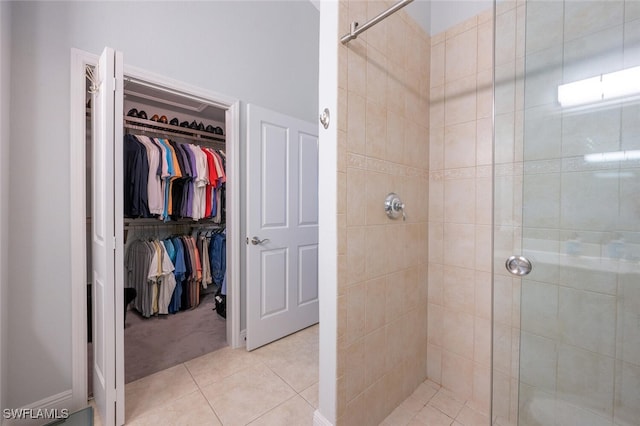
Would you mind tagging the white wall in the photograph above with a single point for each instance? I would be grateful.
(445, 14)
(5, 53)
(420, 11)
(436, 16)
(260, 52)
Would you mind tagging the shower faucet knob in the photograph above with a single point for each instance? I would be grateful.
(394, 206)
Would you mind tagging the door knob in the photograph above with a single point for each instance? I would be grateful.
(325, 117)
(255, 241)
(518, 265)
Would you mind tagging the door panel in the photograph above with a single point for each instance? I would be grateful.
(274, 164)
(282, 206)
(308, 172)
(108, 374)
(308, 274)
(274, 273)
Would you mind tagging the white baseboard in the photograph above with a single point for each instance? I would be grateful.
(60, 401)
(320, 420)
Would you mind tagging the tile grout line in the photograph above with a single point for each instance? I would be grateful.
(259, 361)
(303, 397)
(271, 409)
(283, 379)
(296, 393)
(454, 420)
(201, 393)
(256, 362)
(154, 405)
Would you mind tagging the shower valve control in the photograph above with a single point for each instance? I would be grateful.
(394, 206)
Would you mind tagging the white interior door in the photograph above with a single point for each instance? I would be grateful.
(282, 229)
(107, 222)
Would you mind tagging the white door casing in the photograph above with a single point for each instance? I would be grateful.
(327, 411)
(107, 224)
(282, 216)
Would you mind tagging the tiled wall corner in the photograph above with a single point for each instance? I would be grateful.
(383, 148)
(460, 206)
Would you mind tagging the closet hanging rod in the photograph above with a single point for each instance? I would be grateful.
(356, 29)
(182, 227)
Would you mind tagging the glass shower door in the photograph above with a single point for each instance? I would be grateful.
(567, 198)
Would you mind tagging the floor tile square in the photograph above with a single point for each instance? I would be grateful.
(215, 366)
(432, 417)
(447, 402)
(144, 395)
(247, 394)
(470, 417)
(401, 416)
(189, 410)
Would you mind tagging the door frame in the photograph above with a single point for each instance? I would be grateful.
(327, 412)
(78, 201)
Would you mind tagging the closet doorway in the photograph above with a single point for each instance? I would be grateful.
(181, 315)
(139, 90)
(120, 97)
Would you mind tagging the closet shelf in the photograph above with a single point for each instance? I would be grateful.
(151, 222)
(150, 126)
(155, 225)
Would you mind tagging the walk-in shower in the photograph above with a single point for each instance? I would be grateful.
(512, 137)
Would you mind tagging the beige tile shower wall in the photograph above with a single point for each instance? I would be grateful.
(383, 123)
(460, 208)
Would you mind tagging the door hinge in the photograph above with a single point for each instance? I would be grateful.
(115, 240)
(115, 84)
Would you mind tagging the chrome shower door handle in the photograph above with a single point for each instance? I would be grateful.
(518, 265)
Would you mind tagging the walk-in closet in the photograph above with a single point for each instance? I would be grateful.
(165, 280)
(174, 219)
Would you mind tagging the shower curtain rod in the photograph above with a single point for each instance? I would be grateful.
(356, 29)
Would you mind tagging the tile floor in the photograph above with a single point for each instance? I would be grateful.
(433, 405)
(273, 385)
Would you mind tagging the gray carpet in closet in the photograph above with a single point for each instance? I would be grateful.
(156, 343)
